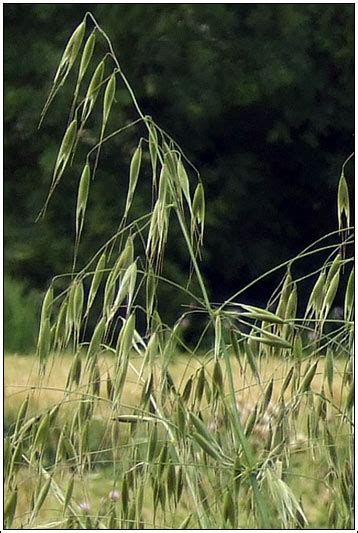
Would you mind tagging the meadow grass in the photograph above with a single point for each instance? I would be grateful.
(21, 376)
(22, 379)
(135, 429)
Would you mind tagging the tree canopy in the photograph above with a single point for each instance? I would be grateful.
(259, 96)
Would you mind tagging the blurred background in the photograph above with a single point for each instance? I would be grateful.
(259, 96)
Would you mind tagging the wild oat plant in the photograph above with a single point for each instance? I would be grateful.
(224, 445)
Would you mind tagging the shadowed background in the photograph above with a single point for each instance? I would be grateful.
(259, 97)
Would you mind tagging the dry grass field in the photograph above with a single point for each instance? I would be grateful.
(22, 379)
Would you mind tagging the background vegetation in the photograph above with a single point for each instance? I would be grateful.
(259, 96)
(306, 471)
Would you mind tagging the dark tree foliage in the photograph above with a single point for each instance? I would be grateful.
(259, 96)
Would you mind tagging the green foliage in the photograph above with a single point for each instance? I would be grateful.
(250, 91)
(21, 316)
(225, 461)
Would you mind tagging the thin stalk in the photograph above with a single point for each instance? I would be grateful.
(197, 502)
(146, 122)
(246, 447)
(303, 254)
(56, 491)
